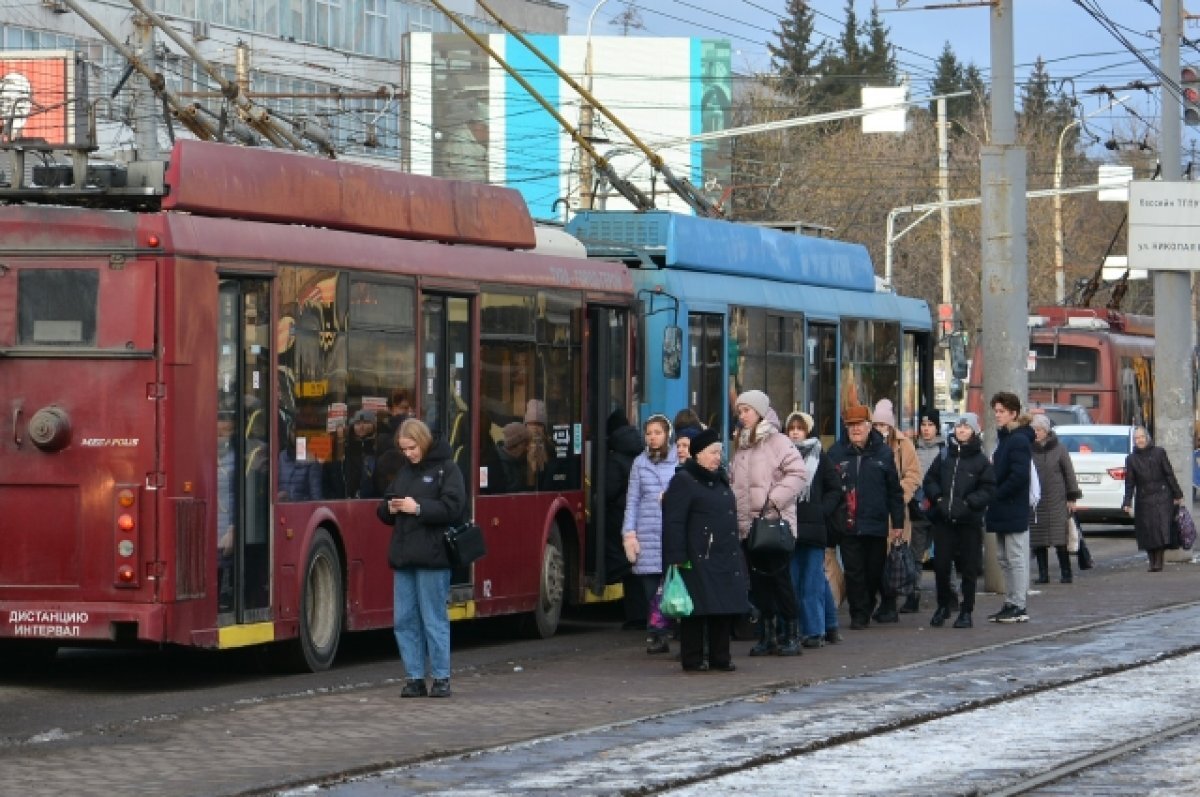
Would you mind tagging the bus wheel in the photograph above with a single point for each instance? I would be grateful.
(551, 588)
(322, 608)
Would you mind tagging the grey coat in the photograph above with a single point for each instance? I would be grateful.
(1048, 525)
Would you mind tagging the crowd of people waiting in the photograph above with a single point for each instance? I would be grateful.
(846, 507)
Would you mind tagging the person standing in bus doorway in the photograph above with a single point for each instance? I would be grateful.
(874, 509)
(1150, 477)
(815, 506)
(930, 447)
(1060, 491)
(767, 473)
(1008, 513)
(958, 487)
(642, 528)
(624, 445)
(427, 496)
(908, 468)
(700, 536)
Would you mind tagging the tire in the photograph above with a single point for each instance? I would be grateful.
(551, 589)
(322, 608)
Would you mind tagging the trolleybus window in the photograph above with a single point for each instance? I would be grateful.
(870, 362)
(770, 356)
(1065, 365)
(706, 344)
(57, 307)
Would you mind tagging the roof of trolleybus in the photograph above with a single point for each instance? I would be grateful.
(693, 258)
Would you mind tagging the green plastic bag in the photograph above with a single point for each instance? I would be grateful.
(676, 602)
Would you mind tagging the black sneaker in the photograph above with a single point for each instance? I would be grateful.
(440, 688)
(413, 688)
(815, 641)
(886, 616)
(832, 636)
(964, 620)
(1015, 616)
(1005, 610)
(939, 617)
(657, 644)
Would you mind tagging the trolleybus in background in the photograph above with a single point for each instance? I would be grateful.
(174, 357)
(1101, 360)
(728, 307)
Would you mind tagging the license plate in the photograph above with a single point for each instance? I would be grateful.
(1089, 478)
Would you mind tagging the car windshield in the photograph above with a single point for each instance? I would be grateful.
(1095, 443)
(1061, 417)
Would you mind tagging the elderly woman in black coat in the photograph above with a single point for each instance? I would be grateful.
(1149, 477)
(700, 535)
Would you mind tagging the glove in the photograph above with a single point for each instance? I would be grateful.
(632, 549)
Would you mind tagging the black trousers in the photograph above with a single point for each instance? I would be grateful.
(771, 586)
(960, 545)
(863, 556)
(691, 640)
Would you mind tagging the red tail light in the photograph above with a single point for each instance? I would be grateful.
(1117, 473)
(125, 536)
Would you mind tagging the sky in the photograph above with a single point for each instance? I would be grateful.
(1077, 49)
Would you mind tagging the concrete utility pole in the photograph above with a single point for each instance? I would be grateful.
(1005, 288)
(943, 137)
(145, 107)
(1174, 402)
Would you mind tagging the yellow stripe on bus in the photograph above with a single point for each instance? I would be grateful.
(462, 611)
(612, 592)
(239, 636)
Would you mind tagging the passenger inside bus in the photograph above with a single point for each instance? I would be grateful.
(299, 477)
(513, 475)
(226, 464)
(400, 409)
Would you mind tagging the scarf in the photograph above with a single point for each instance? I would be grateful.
(810, 449)
(761, 431)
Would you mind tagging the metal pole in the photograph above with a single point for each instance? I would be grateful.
(1005, 288)
(943, 137)
(1174, 402)
(586, 112)
(1060, 276)
(145, 115)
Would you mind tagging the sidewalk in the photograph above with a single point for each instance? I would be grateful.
(587, 680)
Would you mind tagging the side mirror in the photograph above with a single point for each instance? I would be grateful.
(956, 389)
(958, 356)
(672, 352)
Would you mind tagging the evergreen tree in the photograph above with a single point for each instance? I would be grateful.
(951, 76)
(878, 56)
(795, 57)
(841, 69)
(1044, 110)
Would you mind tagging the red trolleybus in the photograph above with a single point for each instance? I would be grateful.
(179, 365)
(1101, 360)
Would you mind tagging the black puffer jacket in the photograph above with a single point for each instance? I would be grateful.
(437, 485)
(960, 484)
(700, 527)
(1008, 511)
(874, 498)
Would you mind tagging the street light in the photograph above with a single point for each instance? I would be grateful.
(586, 199)
(1060, 274)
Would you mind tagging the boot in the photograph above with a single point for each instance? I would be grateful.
(1043, 562)
(657, 643)
(886, 613)
(1064, 564)
(912, 604)
(1156, 560)
(789, 637)
(766, 644)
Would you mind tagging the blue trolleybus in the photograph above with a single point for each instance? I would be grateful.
(728, 307)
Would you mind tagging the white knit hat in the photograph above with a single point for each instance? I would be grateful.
(756, 400)
(883, 413)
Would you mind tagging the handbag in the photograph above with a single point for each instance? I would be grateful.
(1073, 534)
(675, 602)
(465, 544)
(1084, 556)
(770, 535)
(900, 571)
(1187, 527)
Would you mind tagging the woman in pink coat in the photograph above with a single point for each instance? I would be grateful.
(767, 472)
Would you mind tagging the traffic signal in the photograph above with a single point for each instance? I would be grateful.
(1189, 94)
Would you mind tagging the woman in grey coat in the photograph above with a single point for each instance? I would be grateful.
(1060, 491)
(1149, 477)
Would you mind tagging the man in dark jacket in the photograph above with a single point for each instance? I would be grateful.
(874, 509)
(624, 444)
(1008, 513)
(958, 487)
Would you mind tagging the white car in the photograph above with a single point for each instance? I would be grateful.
(1098, 454)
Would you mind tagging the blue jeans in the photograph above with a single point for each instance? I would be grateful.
(420, 620)
(818, 612)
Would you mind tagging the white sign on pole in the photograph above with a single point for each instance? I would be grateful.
(1031, 361)
(1164, 226)
(1114, 269)
(1116, 180)
(892, 120)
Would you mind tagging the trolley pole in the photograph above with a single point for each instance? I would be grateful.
(1005, 288)
(1174, 402)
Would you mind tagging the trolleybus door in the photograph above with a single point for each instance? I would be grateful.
(608, 383)
(245, 376)
(822, 350)
(706, 369)
(446, 385)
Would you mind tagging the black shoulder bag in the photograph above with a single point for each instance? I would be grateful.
(770, 535)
